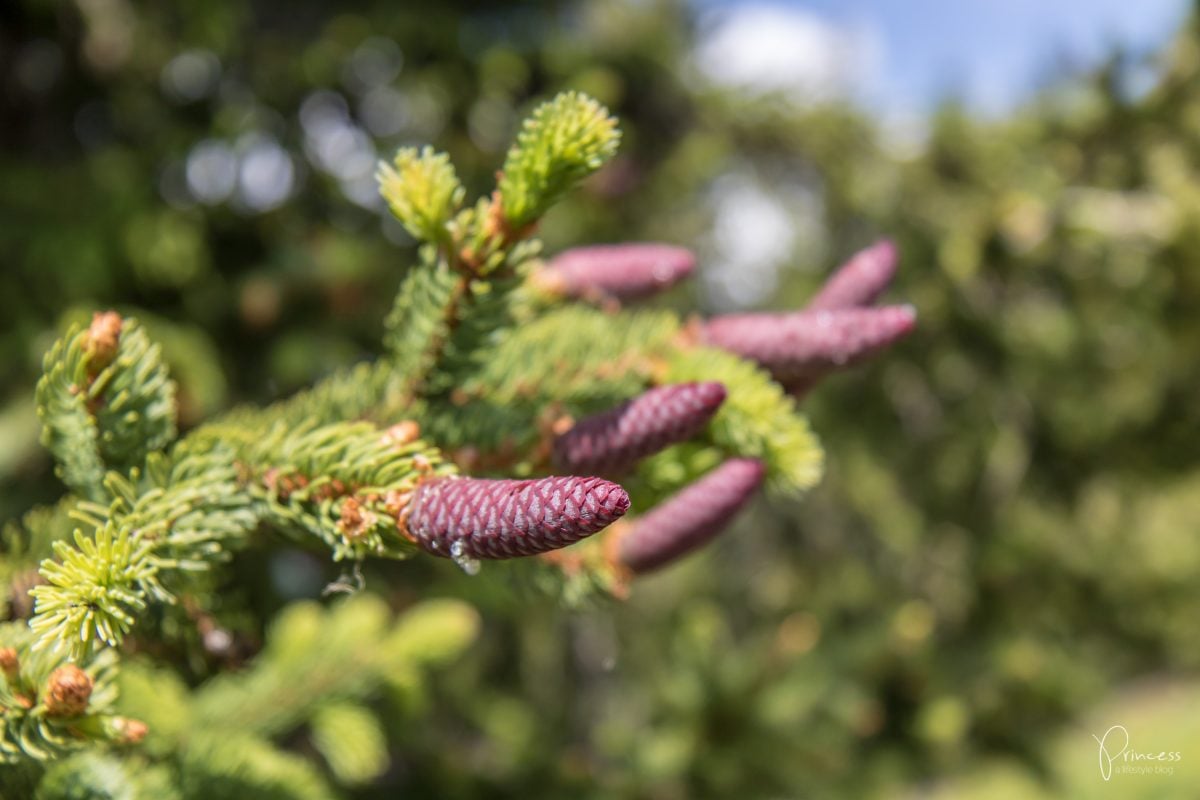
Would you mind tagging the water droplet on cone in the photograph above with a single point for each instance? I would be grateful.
(469, 565)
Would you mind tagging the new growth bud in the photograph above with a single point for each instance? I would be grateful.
(479, 518)
(355, 521)
(618, 271)
(128, 731)
(404, 432)
(422, 190)
(102, 340)
(860, 280)
(691, 517)
(609, 443)
(10, 665)
(802, 346)
(563, 142)
(67, 692)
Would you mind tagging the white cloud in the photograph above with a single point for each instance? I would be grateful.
(773, 48)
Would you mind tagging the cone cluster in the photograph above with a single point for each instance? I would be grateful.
(492, 519)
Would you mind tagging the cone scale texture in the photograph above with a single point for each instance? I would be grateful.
(621, 271)
(612, 442)
(691, 517)
(804, 345)
(860, 280)
(492, 519)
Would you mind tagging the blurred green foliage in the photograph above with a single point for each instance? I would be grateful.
(1008, 530)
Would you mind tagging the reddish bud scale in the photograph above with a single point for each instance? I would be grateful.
(622, 271)
(102, 340)
(478, 518)
(10, 665)
(801, 346)
(691, 517)
(860, 280)
(614, 441)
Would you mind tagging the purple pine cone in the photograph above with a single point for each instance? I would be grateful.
(691, 517)
(478, 518)
(620, 271)
(609, 443)
(860, 280)
(801, 346)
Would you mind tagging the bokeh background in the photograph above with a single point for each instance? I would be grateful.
(1004, 558)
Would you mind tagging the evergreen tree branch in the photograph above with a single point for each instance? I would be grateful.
(423, 191)
(563, 142)
(105, 402)
(351, 740)
(315, 656)
(349, 484)
(186, 513)
(49, 707)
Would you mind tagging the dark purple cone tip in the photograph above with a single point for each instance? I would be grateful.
(479, 518)
(691, 517)
(799, 347)
(860, 280)
(612, 442)
(621, 271)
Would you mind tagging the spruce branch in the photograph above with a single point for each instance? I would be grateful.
(484, 315)
(49, 707)
(481, 364)
(324, 667)
(23, 546)
(352, 741)
(69, 431)
(422, 316)
(348, 484)
(573, 359)
(375, 391)
(132, 398)
(444, 323)
(235, 765)
(484, 362)
(183, 515)
(315, 656)
(563, 142)
(99, 775)
(95, 589)
(105, 402)
(576, 355)
(757, 420)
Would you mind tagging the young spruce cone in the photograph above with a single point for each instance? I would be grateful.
(800, 347)
(67, 692)
(479, 518)
(690, 517)
(860, 280)
(611, 442)
(620, 271)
